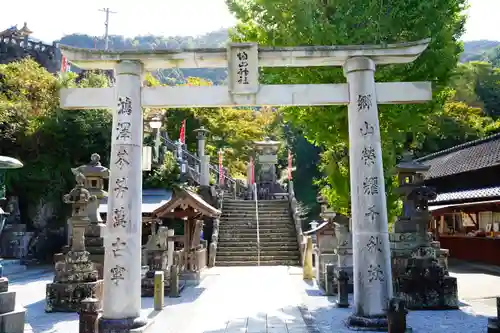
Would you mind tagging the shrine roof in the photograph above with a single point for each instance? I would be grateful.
(151, 200)
(184, 198)
(470, 156)
(482, 193)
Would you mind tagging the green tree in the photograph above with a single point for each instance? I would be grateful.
(343, 22)
(48, 140)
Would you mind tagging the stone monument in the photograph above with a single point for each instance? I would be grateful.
(11, 319)
(267, 159)
(14, 238)
(201, 135)
(76, 277)
(159, 255)
(334, 242)
(95, 174)
(418, 276)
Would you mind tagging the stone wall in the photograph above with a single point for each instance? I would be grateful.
(12, 49)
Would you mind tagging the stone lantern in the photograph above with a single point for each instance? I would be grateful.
(14, 316)
(419, 266)
(76, 277)
(6, 163)
(94, 174)
(267, 151)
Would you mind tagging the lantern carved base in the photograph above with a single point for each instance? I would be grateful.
(75, 280)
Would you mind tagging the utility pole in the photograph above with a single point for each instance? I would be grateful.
(106, 26)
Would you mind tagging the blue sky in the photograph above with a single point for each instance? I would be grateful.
(171, 17)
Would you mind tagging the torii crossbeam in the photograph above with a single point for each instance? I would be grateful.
(372, 266)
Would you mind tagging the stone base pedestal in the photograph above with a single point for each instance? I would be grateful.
(15, 241)
(11, 266)
(11, 319)
(332, 276)
(119, 325)
(375, 324)
(75, 279)
(191, 278)
(94, 244)
(147, 286)
(426, 286)
(67, 297)
(493, 325)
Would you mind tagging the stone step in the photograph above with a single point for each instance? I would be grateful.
(263, 236)
(254, 263)
(263, 245)
(252, 207)
(251, 215)
(269, 202)
(253, 228)
(237, 252)
(253, 256)
(262, 217)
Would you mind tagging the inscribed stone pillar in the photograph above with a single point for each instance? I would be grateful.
(204, 159)
(122, 261)
(371, 250)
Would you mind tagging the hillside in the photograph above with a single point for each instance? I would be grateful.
(171, 76)
(481, 50)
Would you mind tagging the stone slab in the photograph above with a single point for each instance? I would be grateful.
(7, 301)
(12, 322)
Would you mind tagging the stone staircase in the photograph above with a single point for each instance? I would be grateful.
(237, 244)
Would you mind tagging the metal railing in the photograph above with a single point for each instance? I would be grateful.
(257, 220)
(194, 162)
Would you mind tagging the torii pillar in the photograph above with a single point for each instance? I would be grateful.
(371, 253)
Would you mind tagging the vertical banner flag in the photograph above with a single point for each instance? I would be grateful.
(64, 65)
(289, 164)
(252, 171)
(221, 169)
(182, 134)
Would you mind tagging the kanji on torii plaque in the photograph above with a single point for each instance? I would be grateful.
(372, 270)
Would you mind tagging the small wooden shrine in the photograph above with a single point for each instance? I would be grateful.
(192, 209)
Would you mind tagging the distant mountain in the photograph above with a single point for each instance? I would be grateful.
(480, 50)
(171, 76)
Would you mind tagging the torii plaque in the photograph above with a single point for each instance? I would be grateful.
(372, 270)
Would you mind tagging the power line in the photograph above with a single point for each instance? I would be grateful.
(106, 26)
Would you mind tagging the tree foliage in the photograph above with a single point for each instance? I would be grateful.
(342, 22)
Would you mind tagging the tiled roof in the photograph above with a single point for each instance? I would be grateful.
(469, 156)
(151, 200)
(482, 193)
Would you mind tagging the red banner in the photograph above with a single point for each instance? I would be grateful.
(182, 133)
(64, 65)
(290, 160)
(221, 169)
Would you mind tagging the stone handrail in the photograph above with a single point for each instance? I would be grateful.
(194, 163)
(28, 44)
(212, 252)
(296, 220)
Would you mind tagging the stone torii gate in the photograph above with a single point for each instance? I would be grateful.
(372, 267)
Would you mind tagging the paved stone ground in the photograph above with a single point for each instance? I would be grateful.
(264, 300)
(237, 299)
